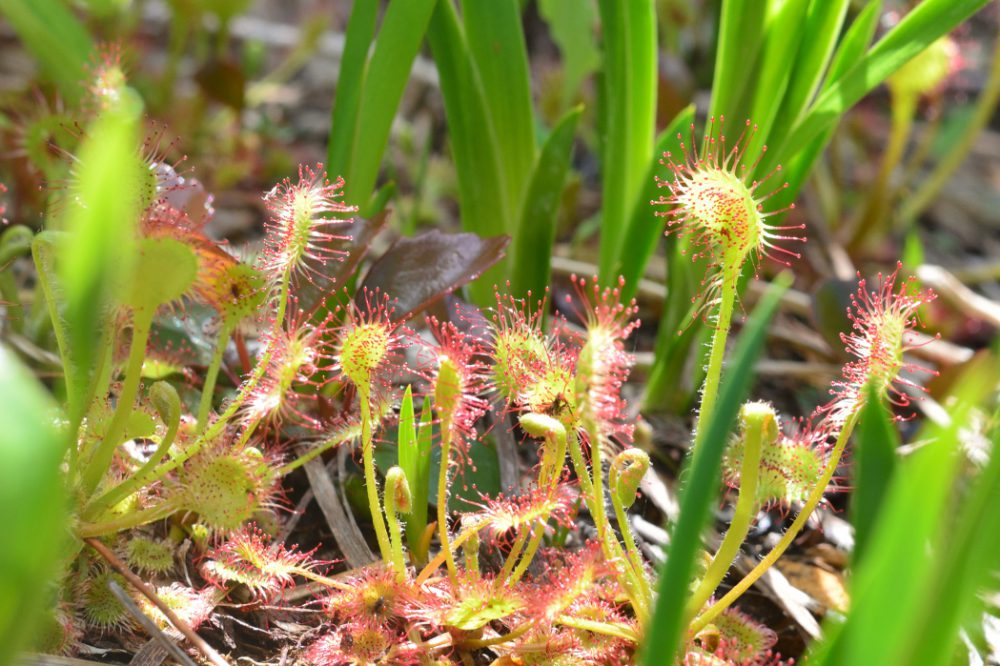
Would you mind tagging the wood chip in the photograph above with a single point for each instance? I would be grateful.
(339, 518)
(957, 294)
(826, 587)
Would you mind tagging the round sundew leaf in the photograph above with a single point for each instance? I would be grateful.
(153, 369)
(149, 555)
(474, 612)
(242, 293)
(164, 270)
(140, 424)
(226, 490)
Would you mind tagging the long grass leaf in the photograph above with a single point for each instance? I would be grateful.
(645, 228)
(396, 46)
(799, 161)
(664, 634)
(741, 29)
(875, 461)
(56, 39)
(782, 38)
(496, 42)
(571, 24)
(926, 23)
(820, 31)
(630, 76)
(32, 500)
(891, 583)
(483, 203)
(967, 557)
(97, 253)
(531, 251)
(350, 82)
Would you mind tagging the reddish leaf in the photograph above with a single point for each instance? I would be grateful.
(420, 270)
(223, 81)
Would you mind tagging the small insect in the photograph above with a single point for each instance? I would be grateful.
(378, 606)
(560, 405)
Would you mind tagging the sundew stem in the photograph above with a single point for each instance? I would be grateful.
(137, 480)
(98, 390)
(789, 536)
(984, 107)
(605, 628)
(442, 498)
(548, 475)
(322, 580)
(594, 435)
(395, 535)
(439, 559)
(634, 556)
(130, 520)
(98, 465)
(537, 533)
(343, 436)
(630, 547)
(746, 508)
(479, 643)
(717, 352)
(212, 375)
(368, 458)
(515, 552)
(609, 545)
(210, 432)
(873, 217)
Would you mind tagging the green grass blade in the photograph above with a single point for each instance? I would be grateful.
(664, 634)
(921, 27)
(741, 29)
(96, 255)
(415, 459)
(496, 42)
(571, 24)
(44, 250)
(399, 38)
(60, 43)
(350, 83)
(890, 587)
(630, 76)
(781, 42)
(968, 555)
(782, 39)
(531, 252)
(483, 203)
(32, 500)
(645, 228)
(855, 43)
(799, 162)
(875, 460)
(820, 31)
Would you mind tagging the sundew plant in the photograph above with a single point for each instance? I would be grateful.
(586, 332)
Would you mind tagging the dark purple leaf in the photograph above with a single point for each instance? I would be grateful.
(417, 271)
(222, 81)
